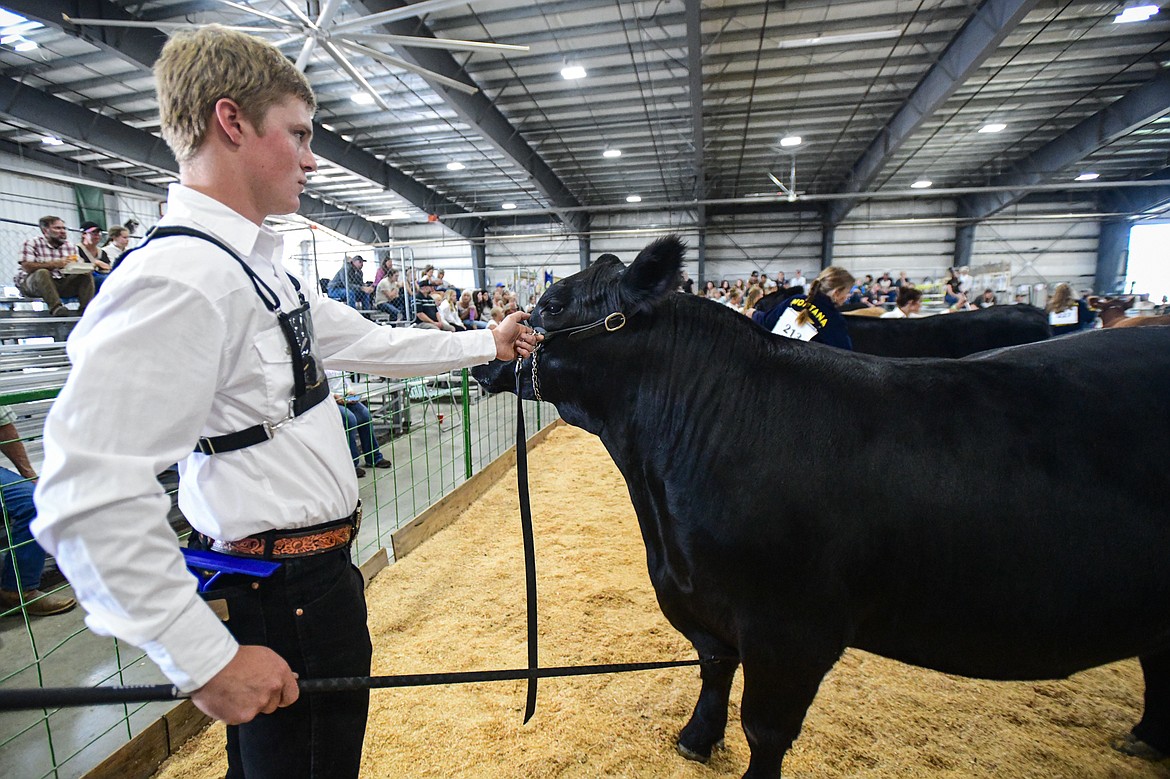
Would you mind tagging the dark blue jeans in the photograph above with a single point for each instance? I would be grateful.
(356, 298)
(360, 432)
(312, 612)
(26, 555)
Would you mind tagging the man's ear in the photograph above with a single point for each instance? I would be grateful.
(229, 119)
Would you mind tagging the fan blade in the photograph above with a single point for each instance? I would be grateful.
(348, 67)
(435, 43)
(291, 6)
(306, 52)
(254, 12)
(394, 14)
(386, 59)
(776, 181)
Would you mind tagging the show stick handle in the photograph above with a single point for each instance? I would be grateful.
(57, 697)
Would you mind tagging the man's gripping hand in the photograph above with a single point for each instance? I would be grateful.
(257, 680)
(513, 338)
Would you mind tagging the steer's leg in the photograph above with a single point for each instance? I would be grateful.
(1154, 729)
(777, 692)
(709, 720)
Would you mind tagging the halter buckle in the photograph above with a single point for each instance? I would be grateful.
(615, 321)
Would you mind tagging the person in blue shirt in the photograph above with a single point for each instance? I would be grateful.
(814, 316)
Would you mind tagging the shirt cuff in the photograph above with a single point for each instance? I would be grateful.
(193, 648)
(486, 347)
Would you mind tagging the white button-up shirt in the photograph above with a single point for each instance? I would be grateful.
(178, 345)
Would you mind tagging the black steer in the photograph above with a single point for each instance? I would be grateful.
(949, 335)
(1027, 578)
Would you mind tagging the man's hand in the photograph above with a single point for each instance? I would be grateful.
(257, 680)
(513, 338)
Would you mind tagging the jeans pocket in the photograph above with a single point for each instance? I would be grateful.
(332, 629)
(240, 597)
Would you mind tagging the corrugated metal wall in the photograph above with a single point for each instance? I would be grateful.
(1028, 243)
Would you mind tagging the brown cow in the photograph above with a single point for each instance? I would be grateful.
(1112, 312)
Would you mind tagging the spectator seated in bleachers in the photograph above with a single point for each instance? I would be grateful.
(426, 308)
(48, 269)
(987, 299)
(89, 251)
(350, 286)
(388, 298)
(468, 313)
(363, 446)
(448, 313)
(20, 579)
(117, 239)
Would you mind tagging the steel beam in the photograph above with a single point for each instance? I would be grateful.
(69, 121)
(477, 110)
(964, 245)
(80, 169)
(694, 14)
(828, 236)
(1141, 106)
(975, 41)
(1138, 200)
(135, 45)
(1112, 257)
(141, 47)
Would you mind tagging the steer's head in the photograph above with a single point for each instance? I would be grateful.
(596, 303)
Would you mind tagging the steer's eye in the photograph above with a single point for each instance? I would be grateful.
(552, 307)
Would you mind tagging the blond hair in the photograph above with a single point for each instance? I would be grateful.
(198, 68)
(1062, 298)
(828, 281)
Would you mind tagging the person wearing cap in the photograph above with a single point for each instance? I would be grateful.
(41, 270)
(426, 309)
(89, 250)
(350, 285)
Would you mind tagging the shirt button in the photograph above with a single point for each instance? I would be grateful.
(255, 585)
(300, 612)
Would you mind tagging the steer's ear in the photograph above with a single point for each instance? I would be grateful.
(653, 274)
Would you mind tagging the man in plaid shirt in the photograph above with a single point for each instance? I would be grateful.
(41, 262)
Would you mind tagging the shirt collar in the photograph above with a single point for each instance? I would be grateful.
(241, 234)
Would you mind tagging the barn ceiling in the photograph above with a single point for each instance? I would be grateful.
(986, 101)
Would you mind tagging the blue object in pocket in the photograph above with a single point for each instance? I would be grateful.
(208, 566)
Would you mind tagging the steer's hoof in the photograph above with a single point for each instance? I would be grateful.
(698, 757)
(1131, 745)
(691, 754)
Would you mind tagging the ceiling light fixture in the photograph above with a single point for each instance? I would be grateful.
(1088, 177)
(1138, 13)
(922, 184)
(572, 72)
(362, 98)
(455, 166)
(633, 198)
(508, 206)
(789, 141)
(25, 45)
(993, 127)
(849, 37)
(396, 214)
(51, 140)
(611, 153)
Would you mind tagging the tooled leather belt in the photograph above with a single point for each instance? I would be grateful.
(293, 543)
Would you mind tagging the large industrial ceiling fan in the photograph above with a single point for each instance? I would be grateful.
(341, 39)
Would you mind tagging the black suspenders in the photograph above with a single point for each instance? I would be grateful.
(309, 384)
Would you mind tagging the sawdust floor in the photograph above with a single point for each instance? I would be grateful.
(457, 603)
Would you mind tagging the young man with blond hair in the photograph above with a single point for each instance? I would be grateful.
(202, 326)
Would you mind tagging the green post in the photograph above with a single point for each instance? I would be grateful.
(466, 423)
